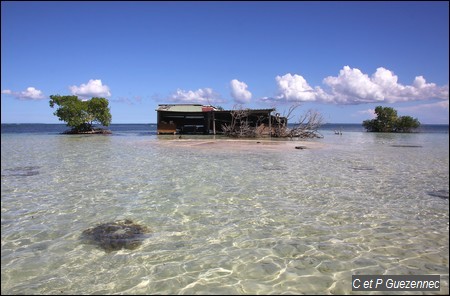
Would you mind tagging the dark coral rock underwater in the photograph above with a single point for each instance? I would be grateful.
(116, 235)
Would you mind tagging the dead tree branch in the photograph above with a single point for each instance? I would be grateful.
(239, 126)
(308, 125)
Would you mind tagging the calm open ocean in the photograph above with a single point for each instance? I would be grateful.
(222, 221)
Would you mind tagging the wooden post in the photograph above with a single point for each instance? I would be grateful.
(270, 125)
(214, 123)
(157, 122)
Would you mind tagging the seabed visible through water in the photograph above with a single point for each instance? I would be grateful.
(224, 217)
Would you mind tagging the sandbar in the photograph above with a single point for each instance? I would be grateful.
(241, 144)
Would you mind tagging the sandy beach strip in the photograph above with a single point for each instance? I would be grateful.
(240, 144)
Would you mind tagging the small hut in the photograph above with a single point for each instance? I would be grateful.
(207, 119)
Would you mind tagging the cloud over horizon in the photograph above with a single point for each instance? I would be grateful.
(127, 100)
(30, 94)
(94, 88)
(200, 96)
(239, 91)
(352, 87)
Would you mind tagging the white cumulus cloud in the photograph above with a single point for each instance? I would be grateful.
(239, 91)
(200, 96)
(30, 93)
(352, 86)
(294, 88)
(94, 88)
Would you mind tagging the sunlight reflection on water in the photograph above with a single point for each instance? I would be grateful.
(223, 221)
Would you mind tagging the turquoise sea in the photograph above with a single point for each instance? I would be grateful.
(222, 220)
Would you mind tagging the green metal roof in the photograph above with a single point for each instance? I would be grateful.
(198, 108)
(180, 108)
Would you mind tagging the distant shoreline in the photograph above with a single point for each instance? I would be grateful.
(325, 124)
(150, 128)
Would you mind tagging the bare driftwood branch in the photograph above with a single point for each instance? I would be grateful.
(307, 126)
(281, 129)
(239, 126)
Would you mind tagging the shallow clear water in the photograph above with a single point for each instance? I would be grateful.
(223, 221)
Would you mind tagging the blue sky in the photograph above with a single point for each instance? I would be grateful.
(341, 59)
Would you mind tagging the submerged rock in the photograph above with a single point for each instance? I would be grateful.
(21, 171)
(407, 146)
(362, 168)
(439, 193)
(116, 235)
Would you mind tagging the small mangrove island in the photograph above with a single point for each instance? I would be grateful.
(387, 121)
(81, 115)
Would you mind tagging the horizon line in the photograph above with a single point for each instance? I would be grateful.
(156, 123)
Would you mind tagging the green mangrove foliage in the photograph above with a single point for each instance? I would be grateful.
(387, 121)
(81, 115)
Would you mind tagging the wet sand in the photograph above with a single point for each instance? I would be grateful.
(247, 145)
